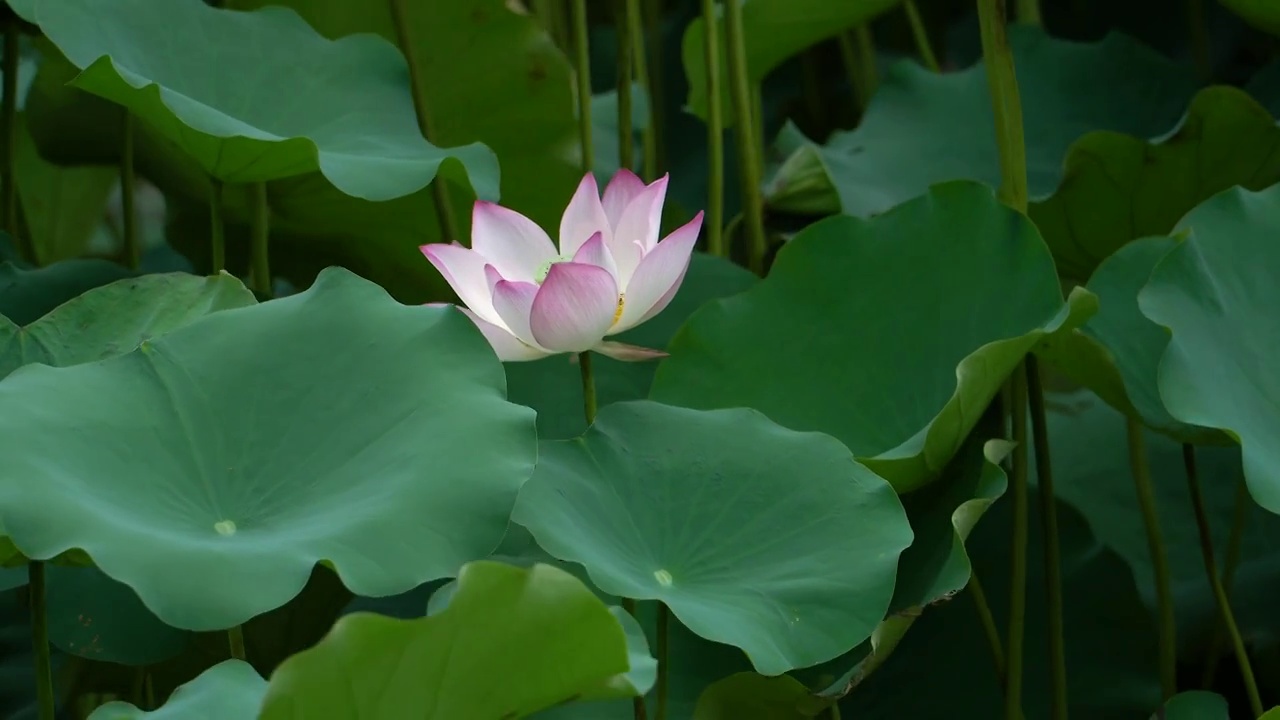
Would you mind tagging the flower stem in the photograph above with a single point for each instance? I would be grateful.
(235, 639)
(715, 132)
(921, 36)
(217, 233)
(1215, 582)
(1168, 627)
(1235, 545)
(259, 235)
(989, 629)
(40, 639)
(866, 45)
(128, 184)
(640, 68)
(1029, 12)
(663, 656)
(582, 55)
(1018, 552)
(1052, 553)
(656, 88)
(588, 387)
(748, 150)
(9, 137)
(626, 136)
(439, 191)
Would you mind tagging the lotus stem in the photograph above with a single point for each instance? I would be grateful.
(1052, 553)
(640, 67)
(1029, 12)
(663, 654)
(439, 190)
(715, 132)
(582, 54)
(1168, 627)
(217, 233)
(9, 135)
(988, 621)
(235, 640)
(1018, 551)
(259, 237)
(626, 134)
(128, 185)
(588, 387)
(749, 150)
(921, 36)
(1235, 545)
(1215, 582)
(40, 639)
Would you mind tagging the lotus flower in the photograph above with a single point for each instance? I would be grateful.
(611, 272)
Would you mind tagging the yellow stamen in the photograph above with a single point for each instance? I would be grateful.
(617, 314)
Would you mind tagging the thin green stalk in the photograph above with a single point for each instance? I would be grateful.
(663, 656)
(988, 621)
(867, 58)
(128, 184)
(749, 150)
(550, 14)
(640, 68)
(849, 58)
(1235, 546)
(1215, 581)
(9, 137)
(1007, 111)
(40, 639)
(1199, 39)
(217, 233)
(657, 91)
(1168, 626)
(1018, 552)
(259, 235)
(235, 640)
(921, 36)
(715, 132)
(814, 97)
(582, 55)
(1052, 552)
(439, 190)
(834, 710)
(1029, 12)
(626, 134)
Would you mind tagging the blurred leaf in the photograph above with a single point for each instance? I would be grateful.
(1194, 705)
(230, 690)
(28, 295)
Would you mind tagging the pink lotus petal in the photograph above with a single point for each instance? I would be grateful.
(658, 276)
(463, 269)
(637, 230)
(515, 245)
(513, 301)
(595, 252)
(618, 194)
(627, 353)
(574, 307)
(508, 347)
(583, 218)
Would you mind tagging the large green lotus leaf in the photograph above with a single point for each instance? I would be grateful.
(95, 617)
(115, 318)
(553, 386)
(1093, 474)
(772, 30)
(28, 294)
(13, 577)
(947, 118)
(511, 641)
(1194, 705)
(750, 695)
(943, 670)
(63, 207)
(259, 96)
(936, 566)
(892, 334)
(1215, 292)
(396, 459)
(230, 690)
(1117, 187)
(703, 511)
(1117, 353)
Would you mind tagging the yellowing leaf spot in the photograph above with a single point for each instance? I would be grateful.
(663, 577)
(225, 528)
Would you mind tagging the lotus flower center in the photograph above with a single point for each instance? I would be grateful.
(617, 314)
(545, 268)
